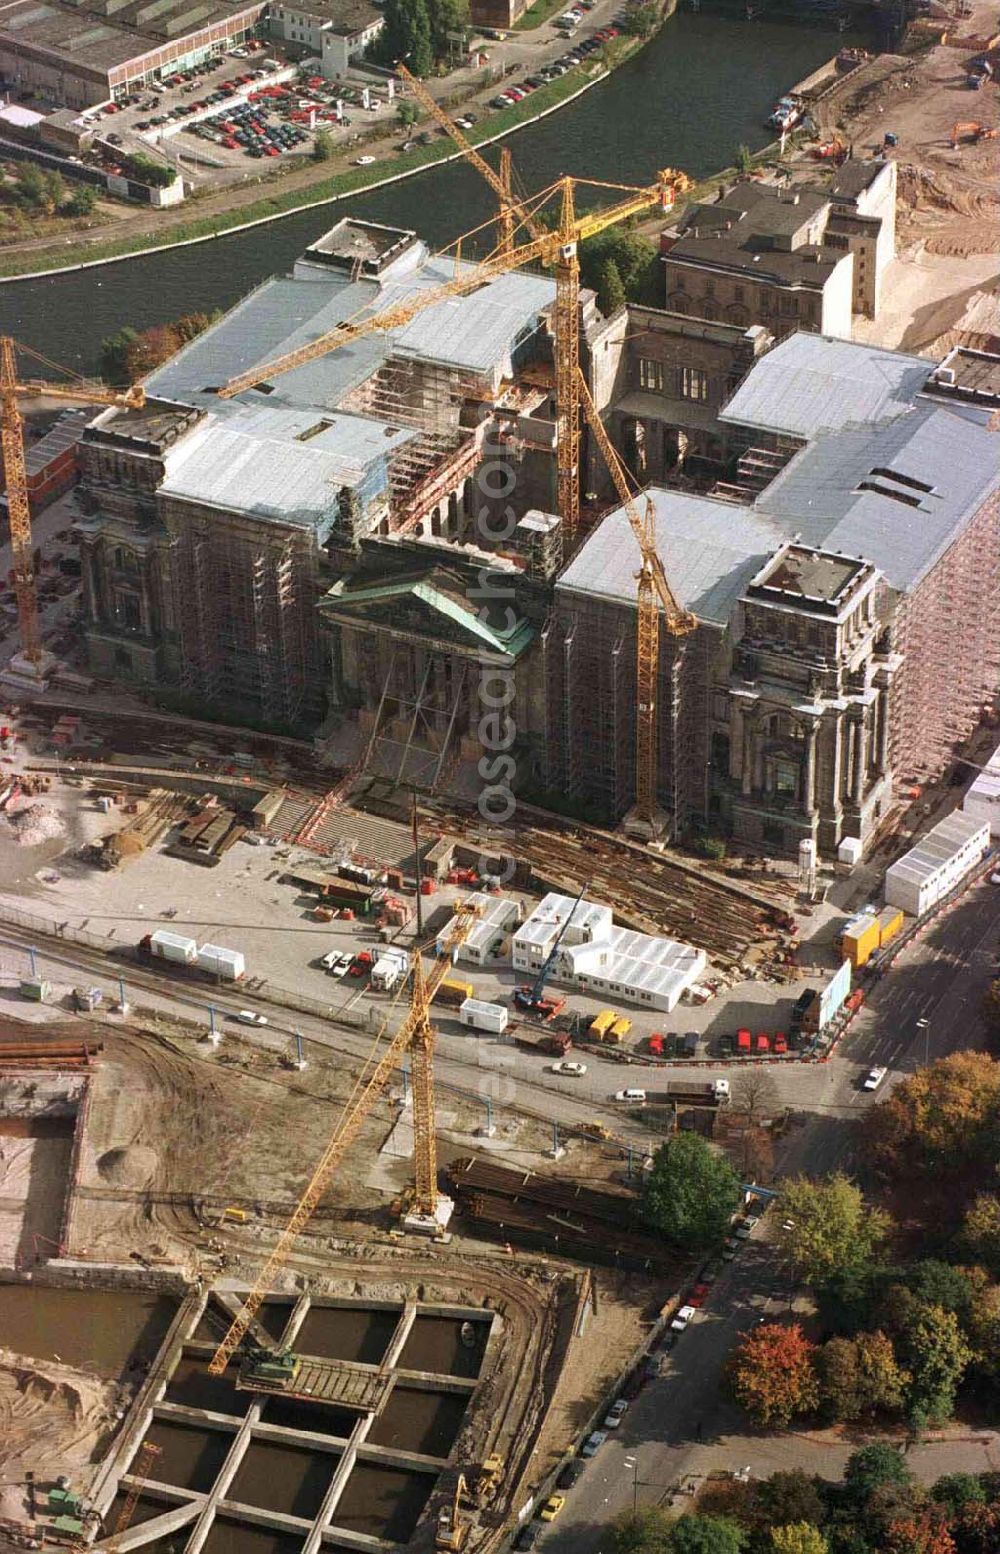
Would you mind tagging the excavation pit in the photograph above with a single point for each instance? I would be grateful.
(426, 1422)
(103, 1331)
(189, 1458)
(193, 1385)
(283, 1478)
(347, 1333)
(383, 1502)
(446, 1346)
(232, 1537)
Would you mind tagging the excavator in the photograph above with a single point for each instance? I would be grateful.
(973, 133)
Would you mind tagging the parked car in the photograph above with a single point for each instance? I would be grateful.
(528, 1536)
(249, 1017)
(698, 1295)
(616, 1413)
(874, 1078)
(682, 1318)
(361, 963)
(576, 1070)
(629, 1095)
(553, 1505)
(592, 1445)
(570, 1474)
(780, 1042)
(363, 161)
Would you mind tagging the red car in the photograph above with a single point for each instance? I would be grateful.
(360, 964)
(763, 1042)
(656, 1045)
(698, 1295)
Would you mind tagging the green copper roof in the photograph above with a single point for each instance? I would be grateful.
(510, 644)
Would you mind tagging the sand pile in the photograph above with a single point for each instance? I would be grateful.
(132, 1167)
(37, 824)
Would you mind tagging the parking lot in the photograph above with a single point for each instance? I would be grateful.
(255, 107)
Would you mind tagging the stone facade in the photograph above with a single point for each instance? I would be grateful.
(800, 729)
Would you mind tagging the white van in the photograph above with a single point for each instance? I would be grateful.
(630, 1095)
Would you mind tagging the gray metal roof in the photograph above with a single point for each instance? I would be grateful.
(476, 333)
(817, 494)
(810, 384)
(224, 465)
(710, 551)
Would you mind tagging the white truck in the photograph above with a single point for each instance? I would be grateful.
(482, 1016)
(389, 970)
(220, 962)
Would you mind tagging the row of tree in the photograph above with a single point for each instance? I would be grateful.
(420, 33)
(44, 192)
(878, 1508)
(132, 353)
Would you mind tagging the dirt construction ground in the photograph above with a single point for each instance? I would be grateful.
(948, 213)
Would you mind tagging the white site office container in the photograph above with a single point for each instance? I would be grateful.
(849, 851)
(982, 802)
(390, 967)
(173, 946)
(483, 1016)
(221, 962)
(934, 866)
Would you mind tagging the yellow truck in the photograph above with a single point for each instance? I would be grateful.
(601, 1024)
(860, 939)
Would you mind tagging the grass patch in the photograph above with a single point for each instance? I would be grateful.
(538, 13)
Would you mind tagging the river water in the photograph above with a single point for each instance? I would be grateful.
(701, 87)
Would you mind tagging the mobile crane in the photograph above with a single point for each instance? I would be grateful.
(429, 1209)
(531, 998)
(15, 471)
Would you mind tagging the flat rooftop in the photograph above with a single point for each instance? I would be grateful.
(970, 376)
(939, 844)
(104, 37)
(809, 576)
(369, 242)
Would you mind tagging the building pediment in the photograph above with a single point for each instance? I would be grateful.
(428, 611)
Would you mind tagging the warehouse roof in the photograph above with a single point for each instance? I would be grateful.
(896, 494)
(710, 551)
(810, 384)
(100, 41)
(496, 915)
(475, 333)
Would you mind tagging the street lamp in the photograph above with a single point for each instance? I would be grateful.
(633, 1463)
(925, 1026)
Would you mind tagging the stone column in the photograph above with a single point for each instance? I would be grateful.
(858, 774)
(883, 732)
(809, 796)
(749, 754)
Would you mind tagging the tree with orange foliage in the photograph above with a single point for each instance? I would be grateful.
(941, 1119)
(924, 1534)
(773, 1373)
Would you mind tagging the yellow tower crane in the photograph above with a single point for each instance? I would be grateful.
(557, 249)
(653, 593)
(415, 1036)
(144, 1461)
(15, 472)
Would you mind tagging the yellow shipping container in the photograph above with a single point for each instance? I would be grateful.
(863, 938)
(602, 1023)
(890, 921)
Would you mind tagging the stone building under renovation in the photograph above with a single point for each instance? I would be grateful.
(354, 547)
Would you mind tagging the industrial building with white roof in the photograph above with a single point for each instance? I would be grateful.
(305, 553)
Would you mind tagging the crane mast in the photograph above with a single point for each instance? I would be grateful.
(16, 475)
(415, 1034)
(144, 1461)
(653, 593)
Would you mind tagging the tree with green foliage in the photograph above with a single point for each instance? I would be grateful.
(635, 257)
(643, 1531)
(954, 1491)
(406, 36)
(447, 17)
(695, 1534)
(322, 150)
(872, 1467)
(798, 1538)
(610, 291)
(937, 1355)
(145, 170)
(407, 112)
(860, 1377)
(774, 1375)
(743, 159)
(81, 201)
(831, 1226)
(641, 21)
(691, 1193)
